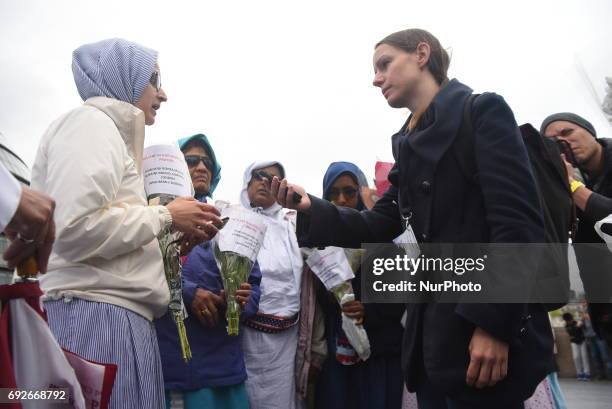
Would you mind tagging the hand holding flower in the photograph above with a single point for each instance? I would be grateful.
(243, 294)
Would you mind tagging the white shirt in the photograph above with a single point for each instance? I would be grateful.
(280, 259)
(280, 262)
(9, 197)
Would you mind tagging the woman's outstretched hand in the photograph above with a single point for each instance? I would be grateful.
(285, 195)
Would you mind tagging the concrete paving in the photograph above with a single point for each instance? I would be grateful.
(587, 395)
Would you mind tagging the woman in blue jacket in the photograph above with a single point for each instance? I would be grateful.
(454, 355)
(214, 377)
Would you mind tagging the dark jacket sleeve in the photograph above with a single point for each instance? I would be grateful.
(329, 225)
(512, 207)
(598, 207)
(189, 279)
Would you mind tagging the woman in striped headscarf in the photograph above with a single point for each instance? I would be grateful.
(105, 281)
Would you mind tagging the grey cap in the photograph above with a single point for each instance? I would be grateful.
(569, 117)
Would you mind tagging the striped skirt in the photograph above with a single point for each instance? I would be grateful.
(110, 334)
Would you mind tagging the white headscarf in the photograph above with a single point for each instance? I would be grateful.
(280, 259)
(248, 175)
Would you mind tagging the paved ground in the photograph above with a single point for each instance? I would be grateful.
(578, 395)
(587, 395)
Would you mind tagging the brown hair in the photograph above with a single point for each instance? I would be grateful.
(408, 41)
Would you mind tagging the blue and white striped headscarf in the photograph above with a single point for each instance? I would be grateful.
(113, 68)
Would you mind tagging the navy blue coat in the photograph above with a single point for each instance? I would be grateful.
(446, 207)
(217, 359)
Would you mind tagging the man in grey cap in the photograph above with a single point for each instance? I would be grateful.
(593, 198)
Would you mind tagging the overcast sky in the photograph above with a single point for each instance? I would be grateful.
(292, 81)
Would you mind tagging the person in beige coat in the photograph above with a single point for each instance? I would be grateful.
(105, 282)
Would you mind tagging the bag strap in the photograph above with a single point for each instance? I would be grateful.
(463, 146)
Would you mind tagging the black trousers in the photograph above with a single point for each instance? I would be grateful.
(429, 397)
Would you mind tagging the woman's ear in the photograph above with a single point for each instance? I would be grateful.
(423, 51)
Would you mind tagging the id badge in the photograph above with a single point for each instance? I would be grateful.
(407, 241)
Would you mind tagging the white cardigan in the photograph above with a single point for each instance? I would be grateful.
(89, 161)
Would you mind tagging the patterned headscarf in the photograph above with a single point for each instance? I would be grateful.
(113, 68)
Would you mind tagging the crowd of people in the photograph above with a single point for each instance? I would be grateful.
(87, 221)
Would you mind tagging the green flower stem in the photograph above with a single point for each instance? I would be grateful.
(234, 271)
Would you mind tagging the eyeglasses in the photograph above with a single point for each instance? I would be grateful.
(348, 192)
(261, 175)
(194, 160)
(267, 177)
(155, 80)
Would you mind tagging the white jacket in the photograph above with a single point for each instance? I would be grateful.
(89, 161)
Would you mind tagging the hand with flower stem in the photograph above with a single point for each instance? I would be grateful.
(206, 304)
(354, 310)
(243, 294)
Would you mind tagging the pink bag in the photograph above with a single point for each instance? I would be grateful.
(381, 171)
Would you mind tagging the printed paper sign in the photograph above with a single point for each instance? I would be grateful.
(165, 171)
(331, 266)
(243, 233)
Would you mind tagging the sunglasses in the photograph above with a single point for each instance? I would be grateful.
(348, 192)
(155, 80)
(261, 175)
(194, 160)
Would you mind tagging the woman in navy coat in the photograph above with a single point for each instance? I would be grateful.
(453, 355)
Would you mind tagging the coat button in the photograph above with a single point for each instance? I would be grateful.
(426, 187)
(424, 236)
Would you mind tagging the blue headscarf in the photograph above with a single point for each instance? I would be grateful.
(216, 172)
(337, 169)
(113, 68)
